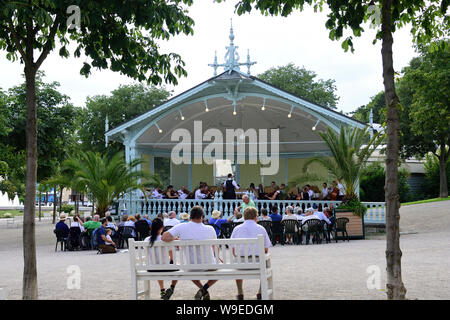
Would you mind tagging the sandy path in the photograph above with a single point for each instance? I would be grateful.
(327, 271)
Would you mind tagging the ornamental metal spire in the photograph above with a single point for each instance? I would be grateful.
(232, 57)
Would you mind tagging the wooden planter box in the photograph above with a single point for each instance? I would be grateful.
(355, 226)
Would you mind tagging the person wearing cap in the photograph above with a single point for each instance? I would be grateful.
(61, 225)
(184, 216)
(216, 221)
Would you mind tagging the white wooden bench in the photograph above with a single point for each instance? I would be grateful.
(226, 266)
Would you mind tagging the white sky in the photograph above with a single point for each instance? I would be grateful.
(273, 41)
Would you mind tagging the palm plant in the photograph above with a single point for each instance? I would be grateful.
(350, 150)
(105, 178)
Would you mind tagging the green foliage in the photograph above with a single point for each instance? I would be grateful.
(112, 34)
(350, 150)
(372, 184)
(125, 103)
(428, 19)
(105, 178)
(430, 188)
(56, 130)
(378, 106)
(354, 205)
(302, 83)
(67, 208)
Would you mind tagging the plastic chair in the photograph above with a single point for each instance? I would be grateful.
(341, 226)
(142, 229)
(226, 229)
(314, 227)
(290, 227)
(267, 224)
(60, 239)
(277, 232)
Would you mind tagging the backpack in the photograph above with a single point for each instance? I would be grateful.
(94, 240)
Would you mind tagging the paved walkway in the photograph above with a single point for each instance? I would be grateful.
(327, 271)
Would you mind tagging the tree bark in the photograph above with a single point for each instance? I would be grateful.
(443, 157)
(395, 288)
(54, 205)
(29, 288)
(60, 198)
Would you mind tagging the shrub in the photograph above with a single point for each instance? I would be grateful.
(67, 208)
(372, 184)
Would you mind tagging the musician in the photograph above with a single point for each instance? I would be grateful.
(230, 186)
(203, 192)
(183, 193)
(274, 194)
(157, 193)
(304, 195)
(170, 193)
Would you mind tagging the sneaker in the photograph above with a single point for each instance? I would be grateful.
(240, 297)
(163, 293)
(168, 294)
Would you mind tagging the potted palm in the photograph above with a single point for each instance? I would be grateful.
(350, 150)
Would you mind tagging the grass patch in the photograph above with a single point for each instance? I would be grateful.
(13, 213)
(426, 201)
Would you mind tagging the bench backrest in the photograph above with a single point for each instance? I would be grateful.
(197, 254)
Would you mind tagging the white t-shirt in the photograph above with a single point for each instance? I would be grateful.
(234, 184)
(77, 224)
(171, 222)
(182, 195)
(156, 194)
(325, 192)
(322, 216)
(341, 189)
(250, 229)
(311, 193)
(199, 194)
(196, 231)
(108, 237)
(299, 217)
(164, 259)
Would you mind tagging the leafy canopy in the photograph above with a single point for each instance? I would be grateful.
(112, 34)
(302, 83)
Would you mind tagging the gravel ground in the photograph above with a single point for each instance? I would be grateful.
(327, 271)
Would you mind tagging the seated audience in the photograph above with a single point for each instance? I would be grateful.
(290, 216)
(249, 229)
(275, 216)
(246, 202)
(123, 220)
(155, 236)
(264, 215)
(131, 223)
(77, 222)
(299, 213)
(104, 244)
(93, 224)
(216, 221)
(184, 216)
(171, 220)
(195, 230)
(61, 225)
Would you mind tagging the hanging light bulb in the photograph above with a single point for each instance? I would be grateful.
(264, 105)
(206, 110)
(263, 108)
(234, 113)
(289, 115)
(181, 115)
(315, 126)
(290, 112)
(159, 129)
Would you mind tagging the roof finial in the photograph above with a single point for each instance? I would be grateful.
(232, 57)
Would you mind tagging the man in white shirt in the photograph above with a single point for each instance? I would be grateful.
(199, 193)
(325, 191)
(310, 192)
(157, 194)
(320, 214)
(341, 190)
(183, 193)
(195, 230)
(249, 229)
(172, 220)
(299, 213)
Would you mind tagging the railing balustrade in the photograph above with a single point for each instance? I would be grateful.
(375, 210)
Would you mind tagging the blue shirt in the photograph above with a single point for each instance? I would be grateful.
(275, 217)
(149, 222)
(218, 223)
(61, 225)
(100, 231)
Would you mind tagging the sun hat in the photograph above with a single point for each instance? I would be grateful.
(62, 217)
(216, 214)
(184, 216)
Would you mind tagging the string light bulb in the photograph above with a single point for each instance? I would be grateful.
(264, 105)
(290, 112)
(315, 126)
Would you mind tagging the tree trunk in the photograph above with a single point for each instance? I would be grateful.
(60, 198)
(40, 204)
(54, 205)
(395, 288)
(443, 187)
(29, 286)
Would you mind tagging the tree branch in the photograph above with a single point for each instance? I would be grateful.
(48, 44)
(16, 39)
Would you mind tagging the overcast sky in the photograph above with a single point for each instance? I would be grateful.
(273, 41)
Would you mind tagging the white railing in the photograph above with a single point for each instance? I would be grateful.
(375, 210)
